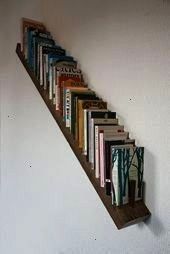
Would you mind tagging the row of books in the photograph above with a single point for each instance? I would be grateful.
(113, 156)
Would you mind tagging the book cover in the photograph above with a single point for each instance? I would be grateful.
(126, 164)
(92, 122)
(108, 143)
(64, 74)
(86, 95)
(87, 104)
(69, 84)
(29, 23)
(68, 93)
(45, 50)
(108, 129)
(37, 42)
(55, 63)
(85, 141)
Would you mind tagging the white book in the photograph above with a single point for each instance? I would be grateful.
(44, 73)
(109, 129)
(85, 141)
(92, 122)
(41, 65)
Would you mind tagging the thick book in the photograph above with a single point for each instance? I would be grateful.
(126, 164)
(82, 105)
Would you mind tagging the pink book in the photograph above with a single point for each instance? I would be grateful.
(101, 158)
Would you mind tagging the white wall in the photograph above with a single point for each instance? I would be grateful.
(123, 48)
(47, 204)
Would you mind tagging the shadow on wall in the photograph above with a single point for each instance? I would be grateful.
(153, 222)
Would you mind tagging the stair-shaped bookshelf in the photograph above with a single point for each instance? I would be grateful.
(122, 216)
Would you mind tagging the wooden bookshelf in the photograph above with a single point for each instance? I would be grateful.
(122, 216)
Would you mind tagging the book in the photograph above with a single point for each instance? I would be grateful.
(62, 61)
(66, 85)
(68, 93)
(64, 74)
(75, 97)
(85, 141)
(44, 52)
(109, 129)
(29, 23)
(86, 104)
(37, 42)
(104, 176)
(108, 142)
(99, 117)
(126, 164)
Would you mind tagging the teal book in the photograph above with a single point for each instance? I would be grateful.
(126, 164)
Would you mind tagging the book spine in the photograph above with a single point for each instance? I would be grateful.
(37, 62)
(107, 169)
(41, 67)
(54, 85)
(67, 108)
(57, 90)
(115, 185)
(85, 133)
(92, 143)
(101, 159)
(44, 73)
(81, 128)
(96, 151)
(51, 81)
(89, 136)
(25, 43)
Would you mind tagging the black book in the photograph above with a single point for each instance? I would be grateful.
(53, 49)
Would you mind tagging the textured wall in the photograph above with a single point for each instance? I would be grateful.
(47, 204)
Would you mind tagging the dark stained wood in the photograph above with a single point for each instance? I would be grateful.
(122, 216)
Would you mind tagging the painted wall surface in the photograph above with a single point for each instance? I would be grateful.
(123, 48)
(47, 205)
